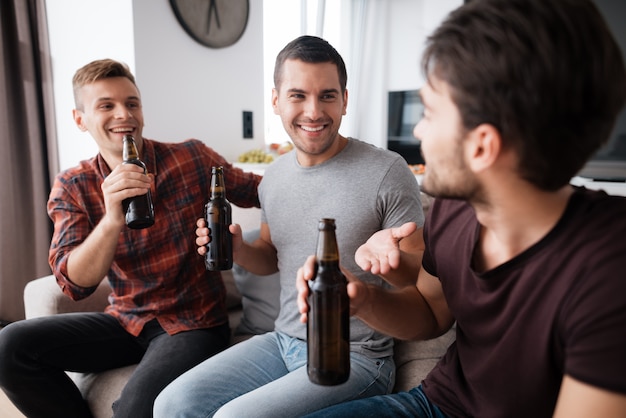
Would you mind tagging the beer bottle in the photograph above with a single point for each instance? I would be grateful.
(139, 209)
(328, 326)
(218, 214)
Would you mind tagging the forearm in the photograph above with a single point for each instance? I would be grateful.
(89, 262)
(257, 257)
(579, 399)
(416, 312)
(401, 313)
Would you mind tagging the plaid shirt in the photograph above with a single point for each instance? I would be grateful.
(156, 272)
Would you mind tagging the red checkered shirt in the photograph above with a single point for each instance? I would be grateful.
(156, 272)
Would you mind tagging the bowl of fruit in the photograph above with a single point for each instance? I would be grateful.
(256, 156)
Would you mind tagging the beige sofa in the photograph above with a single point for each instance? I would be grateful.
(43, 297)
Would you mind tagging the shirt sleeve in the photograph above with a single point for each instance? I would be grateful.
(400, 196)
(72, 225)
(592, 321)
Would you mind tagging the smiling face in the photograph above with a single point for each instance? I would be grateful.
(310, 104)
(109, 109)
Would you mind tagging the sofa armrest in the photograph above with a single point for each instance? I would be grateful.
(43, 297)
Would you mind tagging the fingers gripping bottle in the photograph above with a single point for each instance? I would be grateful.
(218, 216)
(328, 326)
(139, 209)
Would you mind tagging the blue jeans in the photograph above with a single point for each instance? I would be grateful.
(411, 404)
(266, 376)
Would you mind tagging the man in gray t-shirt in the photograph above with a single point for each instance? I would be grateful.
(365, 189)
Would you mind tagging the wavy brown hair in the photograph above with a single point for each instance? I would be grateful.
(547, 74)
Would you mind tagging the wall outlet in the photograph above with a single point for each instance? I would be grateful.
(248, 132)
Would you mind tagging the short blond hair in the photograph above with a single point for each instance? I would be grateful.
(98, 70)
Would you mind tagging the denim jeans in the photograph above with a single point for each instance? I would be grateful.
(35, 353)
(411, 404)
(266, 376)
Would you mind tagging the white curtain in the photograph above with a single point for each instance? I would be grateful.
(363, 45)
(366, 62)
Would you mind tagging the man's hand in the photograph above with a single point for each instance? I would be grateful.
(126, 180)
(357, 290)
(89, 262)
(305, 273)
(203, 236)
(381, 253)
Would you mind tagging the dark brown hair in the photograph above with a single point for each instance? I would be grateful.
(546, 73)
(98, 70)
(314, 50)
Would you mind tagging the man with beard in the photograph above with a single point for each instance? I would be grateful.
(519, 94)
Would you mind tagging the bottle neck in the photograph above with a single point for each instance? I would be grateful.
(217, 192)
(130, 152)
(217, 183)
(327, 250)
(327, 253)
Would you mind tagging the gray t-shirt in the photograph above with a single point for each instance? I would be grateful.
(365, 189)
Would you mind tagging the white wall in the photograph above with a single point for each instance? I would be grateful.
(188, 90)
(81, 31)
(411, 21)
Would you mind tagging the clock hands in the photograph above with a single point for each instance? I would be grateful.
(213, 8)
(212, 23)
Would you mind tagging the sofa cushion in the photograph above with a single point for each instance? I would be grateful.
(100, 390)
(260, 296)
(415, 359)
(233, 297)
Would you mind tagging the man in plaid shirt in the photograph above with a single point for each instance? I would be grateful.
(166, 312)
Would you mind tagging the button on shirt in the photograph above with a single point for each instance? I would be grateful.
(156, 272)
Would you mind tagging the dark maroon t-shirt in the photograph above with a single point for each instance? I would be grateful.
(558, 308)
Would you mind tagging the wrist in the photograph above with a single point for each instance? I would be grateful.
(362, 302)
(112, 224)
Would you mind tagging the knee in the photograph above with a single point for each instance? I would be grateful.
(160, 405)
(180, 399)
(166, 403)
(231, 409)
(11, 339)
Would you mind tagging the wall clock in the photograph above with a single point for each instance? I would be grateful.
(213, 23)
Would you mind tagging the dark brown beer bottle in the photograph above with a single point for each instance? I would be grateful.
(139, 209)
(218, 216)
(328, 326)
